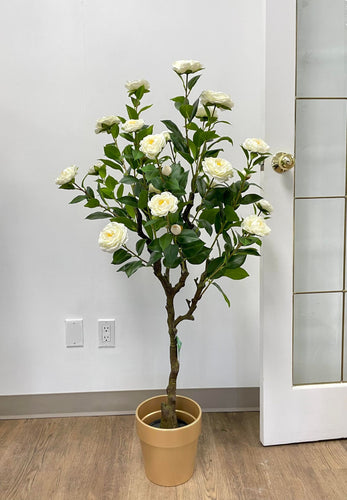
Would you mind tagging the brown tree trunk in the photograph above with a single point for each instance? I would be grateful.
(168, 409)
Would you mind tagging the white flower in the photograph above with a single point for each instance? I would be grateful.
(67, 175)
(221, 170)
(105, 123)
(94, 168)
(113, 236)
(212, 98)
(201, 113)
(256, 145)
(187, 66)
(254, 224)
(132, 125)
(176, 229)
(265, 205)
(152, 145)
(136, 84)
(152, 189)
(162, 204)
(166, 170)
(166, 135)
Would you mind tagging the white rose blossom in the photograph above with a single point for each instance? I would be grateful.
(266, 205)
(136, 84)
(113, 236)
(218, 169)
(201, 113)
(67, 175)
(152, 145)
(187, 66)
(163, 204)
(212, 98)
(133, 125)
(254, 224)
(105, 123)
(256, 145)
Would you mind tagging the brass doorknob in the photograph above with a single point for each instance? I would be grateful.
(282, 162)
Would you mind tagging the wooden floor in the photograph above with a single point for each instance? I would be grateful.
(99, 458)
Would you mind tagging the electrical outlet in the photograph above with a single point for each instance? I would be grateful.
(106, 331)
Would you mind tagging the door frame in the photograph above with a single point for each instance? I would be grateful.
(287, 413)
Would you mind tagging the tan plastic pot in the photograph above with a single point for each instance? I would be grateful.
(169, 454)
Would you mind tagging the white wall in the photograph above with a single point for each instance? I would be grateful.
(63, 65)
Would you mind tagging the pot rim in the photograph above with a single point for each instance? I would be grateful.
(158, 429)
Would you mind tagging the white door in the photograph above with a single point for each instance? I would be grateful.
(304, 265)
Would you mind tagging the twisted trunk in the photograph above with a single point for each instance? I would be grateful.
(168, 409)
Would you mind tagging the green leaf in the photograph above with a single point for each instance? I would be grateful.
(234, 274)
(128, 179)
(120, 256)
(68, 185)
(144, 108)
(193, 81)
(113, 165)
(127, 136)
(224, 138)
(194, 110)
(158, 222)
(165, 240)
(146, 130)
(132, 113)
(137, 154)
(140, 246)
(98, 215)
(128, 200)
(200, 255)
(209, 215)
(171, 258)
(131, 267)
(129, 223)
(213, 265)
(92, 203)
(154, 257)
(250, 198)
(223, 293)
(249, 251)
(78, 198)
(90, 192)
(206, 225)
(110, 182)
(236, 261)
(179, 101)
(143, 198)
(120, 191)
(112, 152)
(230, 214)
(115, 130)
(188, 236)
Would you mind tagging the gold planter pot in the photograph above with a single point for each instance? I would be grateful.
(169, 454)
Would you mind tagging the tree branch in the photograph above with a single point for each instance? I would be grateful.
(192, 304)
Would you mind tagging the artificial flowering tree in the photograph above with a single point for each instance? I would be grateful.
(181, 199)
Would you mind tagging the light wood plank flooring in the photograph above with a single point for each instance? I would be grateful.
(99, 458)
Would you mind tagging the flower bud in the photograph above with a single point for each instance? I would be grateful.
(153, 189)
(176, 229)
(166, 170)
(95, 168)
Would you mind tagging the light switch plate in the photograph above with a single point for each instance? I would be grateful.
(74, 332)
